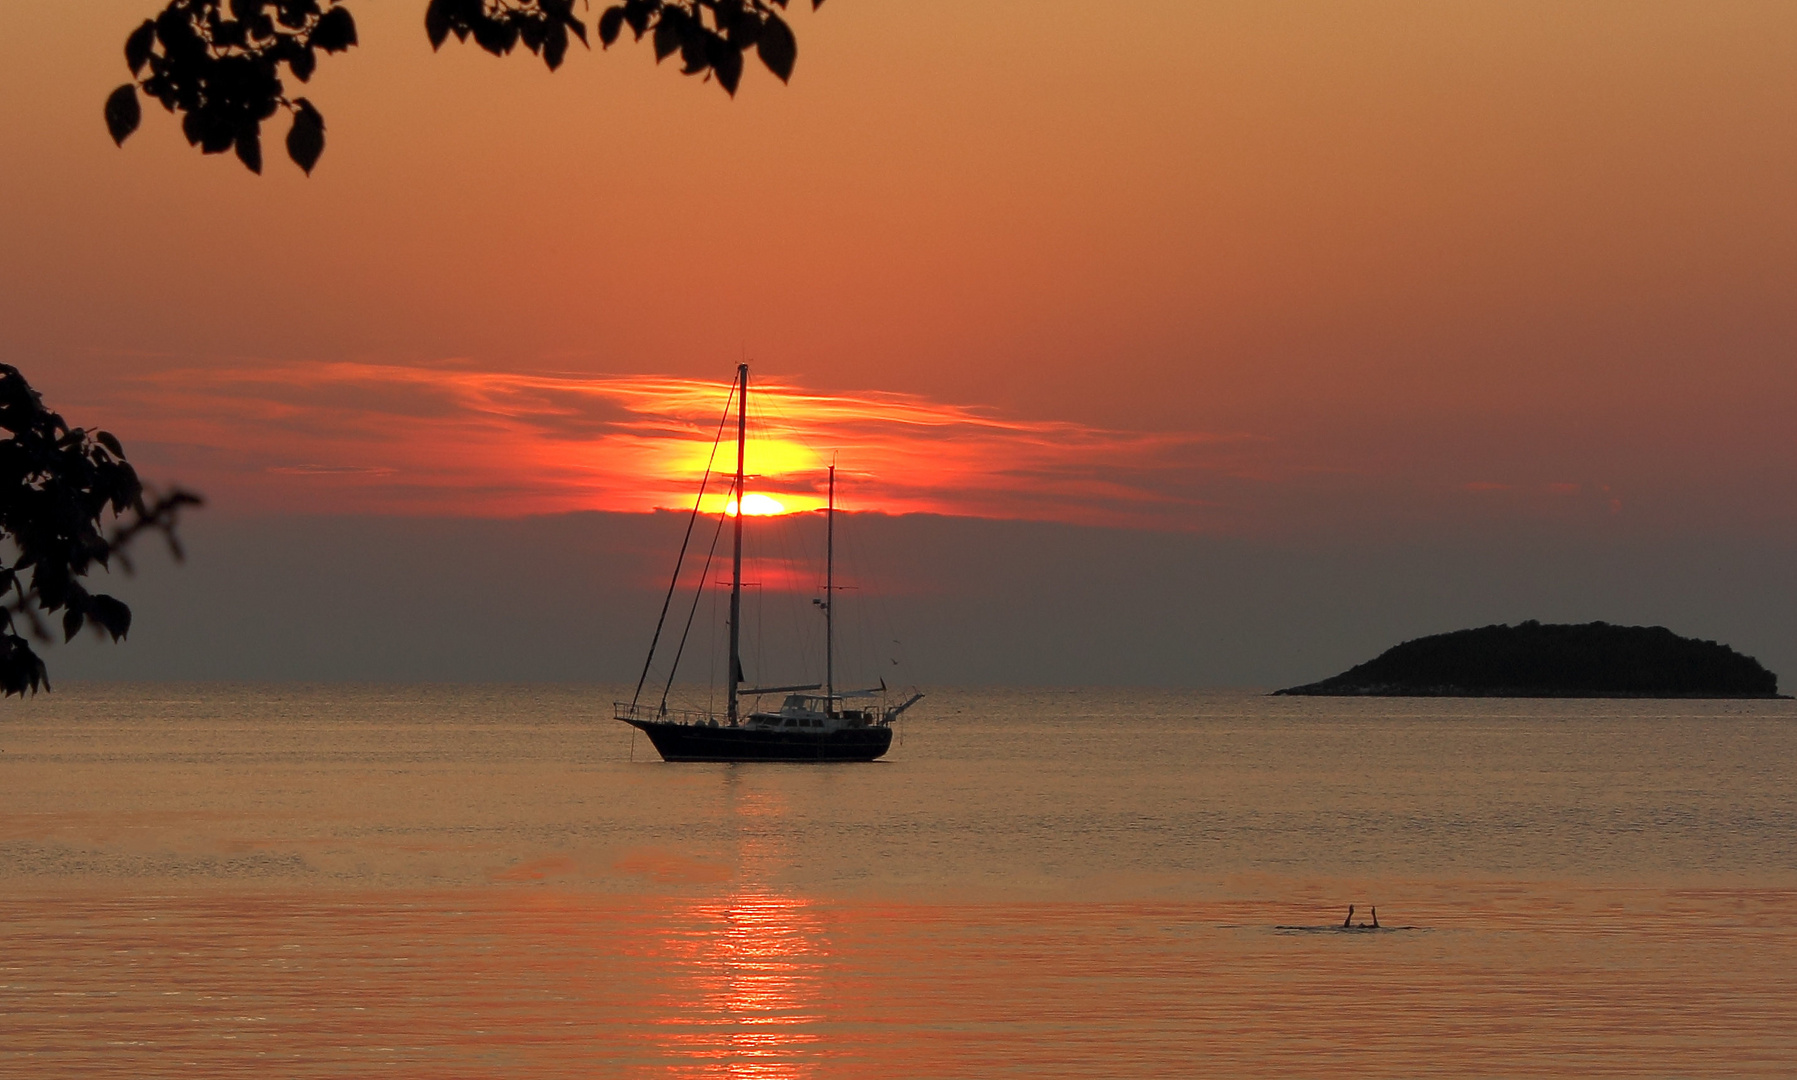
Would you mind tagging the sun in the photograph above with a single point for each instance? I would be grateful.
(755, 504)
(761, 504)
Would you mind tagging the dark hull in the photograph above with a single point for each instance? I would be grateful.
(693, 742)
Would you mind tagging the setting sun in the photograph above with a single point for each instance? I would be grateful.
(756, 504)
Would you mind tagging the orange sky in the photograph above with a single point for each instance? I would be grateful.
(1237, 266)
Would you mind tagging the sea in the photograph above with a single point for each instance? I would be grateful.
(501, 881)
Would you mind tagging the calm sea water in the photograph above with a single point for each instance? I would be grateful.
(474, 882)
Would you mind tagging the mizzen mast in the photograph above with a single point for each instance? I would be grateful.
(736, 559)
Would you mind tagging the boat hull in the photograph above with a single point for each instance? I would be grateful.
(697, 742)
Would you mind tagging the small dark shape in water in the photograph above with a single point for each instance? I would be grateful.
(1350, 926)
(1536, 659)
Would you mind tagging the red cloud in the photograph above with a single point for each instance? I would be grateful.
(374, 438)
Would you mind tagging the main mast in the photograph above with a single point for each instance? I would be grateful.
(830, 599)
(736, 559)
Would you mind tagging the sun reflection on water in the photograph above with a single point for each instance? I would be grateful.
(755, 1000)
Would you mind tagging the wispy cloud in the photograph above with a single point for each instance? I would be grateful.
(374, 438)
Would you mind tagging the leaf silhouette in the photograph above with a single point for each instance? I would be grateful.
(609, 24)
(305, 140)
(139, 44)
(636, 13)
(302, 63)
(436, 23)
(668, 36)
(111, 615)
(777, 48)
(727, 61)
(555, 46)
(336, 31)
(249, 149)
(123, 113)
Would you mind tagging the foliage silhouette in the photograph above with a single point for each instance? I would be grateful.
(57, 485)
(218, 62)
(1533, 659)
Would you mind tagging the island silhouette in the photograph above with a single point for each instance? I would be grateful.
(1535, 659)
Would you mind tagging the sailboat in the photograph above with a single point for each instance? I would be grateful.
(815, 721)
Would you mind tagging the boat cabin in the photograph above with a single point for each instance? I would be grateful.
(807, 711)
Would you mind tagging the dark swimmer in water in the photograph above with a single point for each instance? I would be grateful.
(1349, 924)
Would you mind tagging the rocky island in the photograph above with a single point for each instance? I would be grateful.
(1536, 659)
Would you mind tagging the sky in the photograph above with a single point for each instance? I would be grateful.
(1452, 313)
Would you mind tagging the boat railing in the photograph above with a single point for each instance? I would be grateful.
(624, 710)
